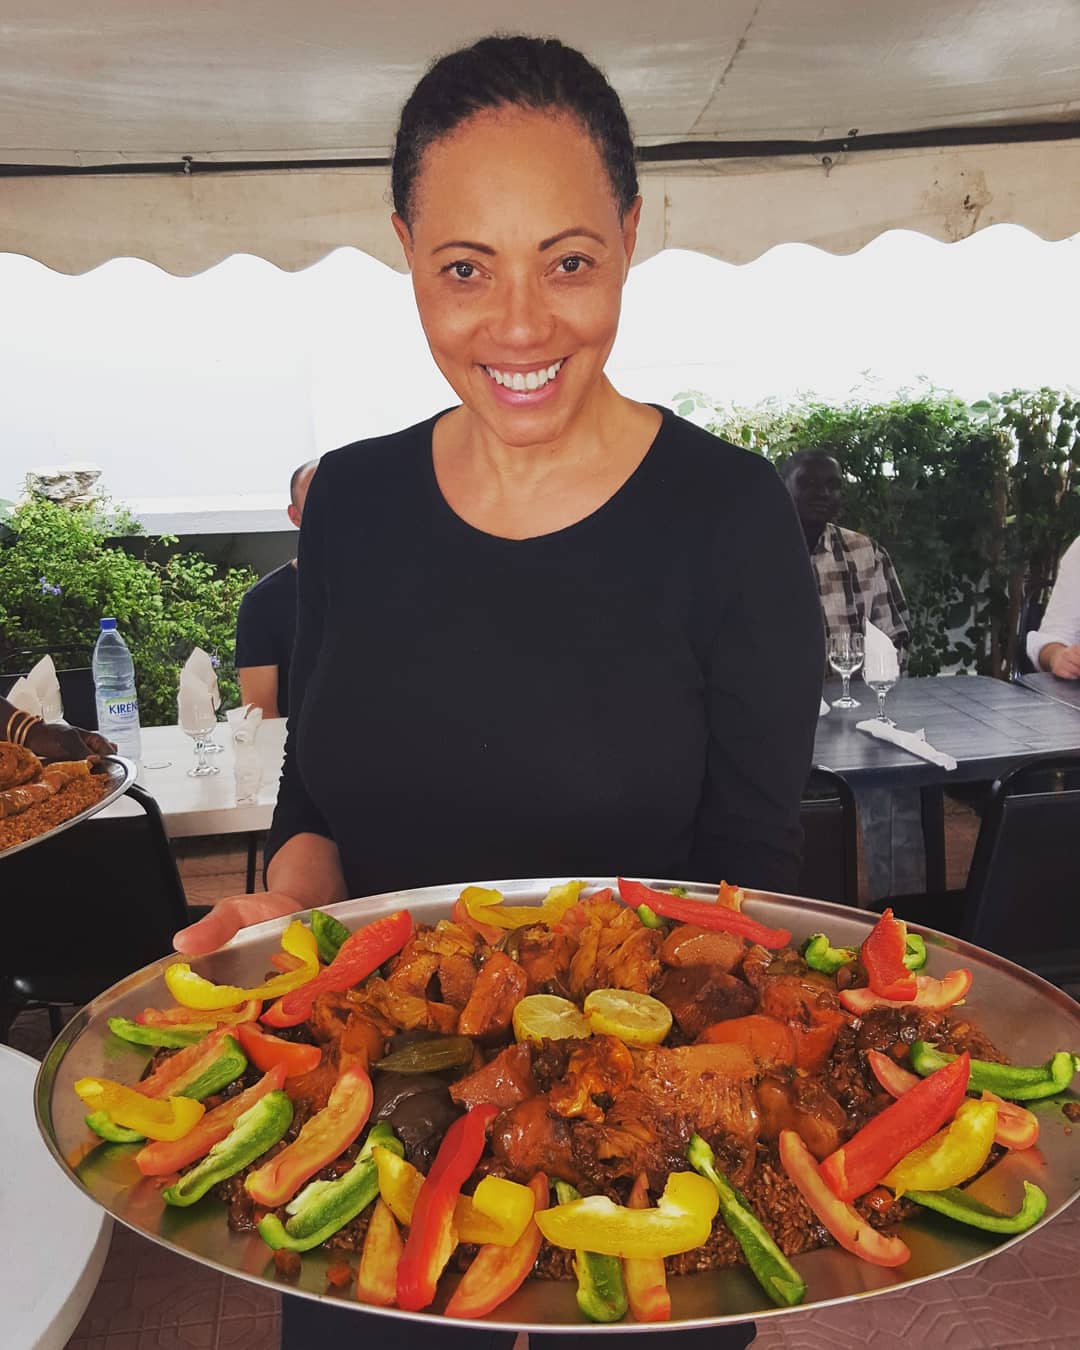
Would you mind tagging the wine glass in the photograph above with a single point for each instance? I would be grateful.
(198, 734)
(845, 657)
(881, 684)
(211, 746)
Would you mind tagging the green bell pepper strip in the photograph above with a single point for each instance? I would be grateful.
(445, 1052)
(774, 1272)
(172, 1038)
(601, 1290)
(225, 1069)
(957, 1204)
(323, 1207)
(329, 934)
(1015, 1082)
(819, 955)
(103, 1124)
(650, 918)
(259, 1128)
(914, 952)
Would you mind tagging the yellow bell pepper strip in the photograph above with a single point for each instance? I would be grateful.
(847, 1226)
(161, 1118)
(681, 1221)
(360, 954)
(1017, 1082)
(199, 1070)
(1017, 1128)
(497, 1272)
(953, 1154)
(201, 1021)
(322, 1138)
(376, 1280)
(934, 995)
(432, 1236)
(773, 1271)
(194, 992)
(497, 1213)
(645, 1277)
(857, 1166)
(484, 906)
(601, 1292)
(159, 1159)
(257, 1129)
(958, 1205)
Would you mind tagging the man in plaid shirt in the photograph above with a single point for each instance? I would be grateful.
(856, 579)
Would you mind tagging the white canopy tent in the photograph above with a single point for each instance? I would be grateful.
(182, 135)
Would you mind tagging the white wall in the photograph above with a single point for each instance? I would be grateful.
(220, 384)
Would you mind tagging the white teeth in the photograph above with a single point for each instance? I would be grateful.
(531, 381)
(552, 371)
(535, 379)
(518, 384)
(496, 375)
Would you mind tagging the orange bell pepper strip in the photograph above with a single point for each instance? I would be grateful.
(361, 953)
(882, 955)
(165, 1156)
(497, 1272)
(323, 1137)
(192, 1019)
(935, 995)
(156, 1118)
(266, 1052)
(194, 992)
(857, 1166)
(645, 1277)
(376, 1280)
(683, 910)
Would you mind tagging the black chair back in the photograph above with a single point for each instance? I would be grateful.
(1032, 608)
(76, 680)
(827, 814)
(95, 903)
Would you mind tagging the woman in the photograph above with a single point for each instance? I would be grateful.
(551, 631)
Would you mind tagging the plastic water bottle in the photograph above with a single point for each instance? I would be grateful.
(114, 691)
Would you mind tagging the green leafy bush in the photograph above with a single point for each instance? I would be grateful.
(61, 571)
(975, 503)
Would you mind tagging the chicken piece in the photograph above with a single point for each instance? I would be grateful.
(791, 1101)
(447, 954)
(615, 949)
(499, 987)
(315, 1087)
(328, 1016)
(688, 945)
(362, 1039)
(805, 999)
(504, 1082)
(545, 957)
(407, 1012)
(528, 1139)
(601, 1066)
(701, 995)
(18, 765)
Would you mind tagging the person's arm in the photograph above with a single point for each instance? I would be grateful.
(1055, 644)
(259, 685)
(888, 608)
(765, 676)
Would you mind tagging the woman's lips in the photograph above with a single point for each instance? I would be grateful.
(510, 388)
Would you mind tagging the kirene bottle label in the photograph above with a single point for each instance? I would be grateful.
(121, 708)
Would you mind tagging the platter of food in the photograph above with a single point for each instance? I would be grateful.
(39, 799)
(546, 1104)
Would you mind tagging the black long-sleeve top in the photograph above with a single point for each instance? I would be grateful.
(635, 693)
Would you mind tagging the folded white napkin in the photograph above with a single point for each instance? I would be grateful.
(38, 692)
(195, 698)
(880, 661)
(823, 709)
(914, 742)
(244, 725)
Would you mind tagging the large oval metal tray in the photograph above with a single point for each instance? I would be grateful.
(1027, 1019)
(121, 773)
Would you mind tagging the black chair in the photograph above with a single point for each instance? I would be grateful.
(1032, 608)
(76, 680)
(1021, 898)
(88, 907)
(830, 860)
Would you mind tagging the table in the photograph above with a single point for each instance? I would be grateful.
(54, 1240)
(1061, 691)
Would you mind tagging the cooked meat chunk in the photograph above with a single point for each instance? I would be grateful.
(407, 1012)
(688, 945)
(601, 1066)
(529, 1139)
(615, 949)
(362, 1039)
(791, 1101)
(545, 958)
(437, 963)
(701, 995)
(504, 1082)
(805, 999)
(499, 987)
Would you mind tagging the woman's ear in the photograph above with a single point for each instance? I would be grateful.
(404, 235)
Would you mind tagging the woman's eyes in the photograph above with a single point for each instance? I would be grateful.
(462, 270)
(572, 265)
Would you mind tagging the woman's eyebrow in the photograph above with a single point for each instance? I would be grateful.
(466, 244)
(575, 231)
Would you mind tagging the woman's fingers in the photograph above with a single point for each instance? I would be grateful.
(228, 917)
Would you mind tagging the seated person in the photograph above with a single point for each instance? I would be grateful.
(1055, 644)
(856, 579)
(266, 621)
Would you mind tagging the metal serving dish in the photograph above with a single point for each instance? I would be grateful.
(1027, 1018)
(121, 773)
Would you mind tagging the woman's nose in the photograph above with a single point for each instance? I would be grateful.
(520, 319)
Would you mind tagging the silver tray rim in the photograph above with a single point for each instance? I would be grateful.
(434, 902)
(122, 771)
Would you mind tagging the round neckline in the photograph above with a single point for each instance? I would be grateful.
(447, 511)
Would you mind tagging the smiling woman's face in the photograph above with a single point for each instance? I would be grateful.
(518, 255)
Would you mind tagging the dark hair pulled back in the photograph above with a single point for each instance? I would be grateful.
(522, 72)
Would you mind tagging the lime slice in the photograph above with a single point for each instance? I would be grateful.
(541, 1016)
(637, 1019)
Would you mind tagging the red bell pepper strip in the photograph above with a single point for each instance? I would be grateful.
(1017, 1128)
(860, 1164)
(194, 1018)
(432, 1237)
(376, 1280)
(882, 955)
(635, 893)
(164, 1156)
(498, 1272)
(645, 1277)
(360, 954)
(935, 995)
(265, 1052)
(175, 1073)
(850, 1230)
(324, 1136)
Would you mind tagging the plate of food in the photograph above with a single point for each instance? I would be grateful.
(563, 1104)
(39, 798)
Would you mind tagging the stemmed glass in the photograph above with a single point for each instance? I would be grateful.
(211, 746)
(845, 657)
(881, 686)
(202, 769)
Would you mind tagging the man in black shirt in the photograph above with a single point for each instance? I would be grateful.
(266, 622)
